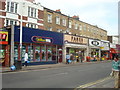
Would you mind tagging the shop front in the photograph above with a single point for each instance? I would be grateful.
(4, 48)
(75, 46)
(112, 51)
(43, 47)
(94, 49)
(105, 47)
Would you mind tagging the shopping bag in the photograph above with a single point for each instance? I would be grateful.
(28, 61)
(69, 61)
(13, 67)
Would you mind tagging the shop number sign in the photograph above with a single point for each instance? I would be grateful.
(39, 39)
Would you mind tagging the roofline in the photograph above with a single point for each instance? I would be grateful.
(74, 19)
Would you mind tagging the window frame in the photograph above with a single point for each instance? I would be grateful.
(70, 24)
(64, 22)
(58, 20)
(49, 17)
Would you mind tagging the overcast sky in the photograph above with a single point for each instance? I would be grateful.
(103, 13)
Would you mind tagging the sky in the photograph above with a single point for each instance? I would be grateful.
(103, 13)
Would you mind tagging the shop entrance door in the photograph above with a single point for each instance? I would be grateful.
(60, 55)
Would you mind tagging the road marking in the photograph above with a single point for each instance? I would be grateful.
(60, 73)
(22, 71)
(92, 83)
(53, 75)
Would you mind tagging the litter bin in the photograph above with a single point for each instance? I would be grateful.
(18, 65)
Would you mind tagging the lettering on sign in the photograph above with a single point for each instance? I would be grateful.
(77, 39)
(39, 39)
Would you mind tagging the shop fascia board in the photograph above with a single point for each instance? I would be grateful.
(75, 45)
(96, 47)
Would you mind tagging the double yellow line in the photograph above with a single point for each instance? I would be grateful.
(92, 83)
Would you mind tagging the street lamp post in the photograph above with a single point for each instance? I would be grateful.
(21, 39)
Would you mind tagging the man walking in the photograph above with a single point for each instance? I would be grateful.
(26, 59)
(116, 72)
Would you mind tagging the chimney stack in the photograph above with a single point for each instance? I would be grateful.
(31, 0)
(58, 11)
(76, 17)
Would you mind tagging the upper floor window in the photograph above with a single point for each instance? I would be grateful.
(58, 20)
(49, 28)
(49, 18)
(76, 26)
(80, 27)
(12, 7)
(64, 22)
(31, 25)
(70, 24)
(84, 27)
(32, 12)
(88, 28)
(11, 22)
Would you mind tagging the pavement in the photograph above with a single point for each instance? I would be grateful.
(107, 82)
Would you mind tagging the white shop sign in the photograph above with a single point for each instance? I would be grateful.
(94, 42)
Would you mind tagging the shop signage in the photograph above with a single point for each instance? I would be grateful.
(101, 47)
(93, 42)
(96, 43)
(105, 45)
(75, 39)
(3, 37)
(39, 39)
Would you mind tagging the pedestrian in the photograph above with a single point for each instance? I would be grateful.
(26, 59)
(116, 72)
(81, 58)
(67, 58)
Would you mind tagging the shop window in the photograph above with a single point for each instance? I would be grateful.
(37, 53)
(49, 52)
(2, 55)
(71, 51)
(43, 53)
(23, 52)
(30, 53)
(16, 52)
